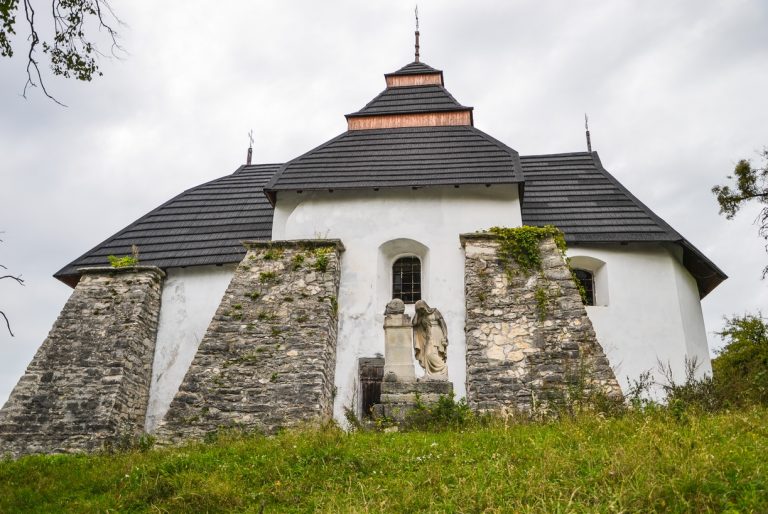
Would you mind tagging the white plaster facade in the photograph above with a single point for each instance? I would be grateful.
(647, 309)
(376, 227)
(189, 300)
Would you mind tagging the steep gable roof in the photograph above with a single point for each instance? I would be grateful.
(576, 193)
(203, 225)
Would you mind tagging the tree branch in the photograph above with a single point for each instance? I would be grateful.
(18, 278)
(32, 64)
(7, 323)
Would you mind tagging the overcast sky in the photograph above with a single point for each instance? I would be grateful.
(677, 93)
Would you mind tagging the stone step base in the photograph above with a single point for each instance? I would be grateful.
(399, 398)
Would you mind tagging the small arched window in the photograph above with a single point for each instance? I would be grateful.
(406, 279)
(587, 280)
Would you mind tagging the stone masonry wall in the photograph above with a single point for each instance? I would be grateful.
(529, 341)
(88, 384)
(267, 359)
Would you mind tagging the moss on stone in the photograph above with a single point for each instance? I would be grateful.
(267, 276)
(542, 303)
(273, 254)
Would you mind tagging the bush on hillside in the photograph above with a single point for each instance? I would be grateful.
(741, 369)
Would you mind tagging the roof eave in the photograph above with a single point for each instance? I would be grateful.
(515, 180)
(360, 114)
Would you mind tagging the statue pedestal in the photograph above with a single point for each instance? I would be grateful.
(400, 392)
(398, 347)
(399, 398)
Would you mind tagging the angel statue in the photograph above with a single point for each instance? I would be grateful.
(430, 341)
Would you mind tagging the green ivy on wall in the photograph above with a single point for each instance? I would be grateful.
(520, 245)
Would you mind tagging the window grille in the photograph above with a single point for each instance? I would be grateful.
(587, 280)
(406, 279)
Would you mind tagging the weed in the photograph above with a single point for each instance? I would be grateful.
(125, 261)
(297, 261)
(352, 420)
(321, 258)
(267, 276)
(446, 414)
(334, 305)
(273, 253)
(265, 316)
(122, 262)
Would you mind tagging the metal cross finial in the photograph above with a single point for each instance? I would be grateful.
(586, 127)
(250, 148)
(417, 32)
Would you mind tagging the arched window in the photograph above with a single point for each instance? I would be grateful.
(406, 279)
(587, 280)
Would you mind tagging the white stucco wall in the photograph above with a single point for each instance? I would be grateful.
(189, 301)
(378, 226)
(649, 311)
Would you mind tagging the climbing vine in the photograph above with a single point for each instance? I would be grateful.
(521, 245)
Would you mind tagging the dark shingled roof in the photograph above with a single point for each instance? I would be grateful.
(414, 68)
(206, 224)
(400, 157)
(576, 194)
(411, 99)
(203, 225)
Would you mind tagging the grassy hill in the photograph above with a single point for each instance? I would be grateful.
(657, 461)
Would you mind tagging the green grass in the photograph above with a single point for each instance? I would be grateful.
(654, 462)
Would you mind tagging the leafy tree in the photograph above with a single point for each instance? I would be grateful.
(750, 183)
(741, 368)
(19, 281)
(70, 49)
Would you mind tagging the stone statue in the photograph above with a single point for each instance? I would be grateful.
(430, 341)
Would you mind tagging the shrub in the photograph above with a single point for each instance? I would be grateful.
(702, 394)
(741, 369)
(446, 414)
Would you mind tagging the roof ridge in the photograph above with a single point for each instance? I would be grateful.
(563, 154)
(512, 152)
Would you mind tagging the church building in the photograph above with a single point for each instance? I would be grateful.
(209, 331)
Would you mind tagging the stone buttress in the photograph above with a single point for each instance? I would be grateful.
(530, 343)
(88, 385)
(267, 359)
